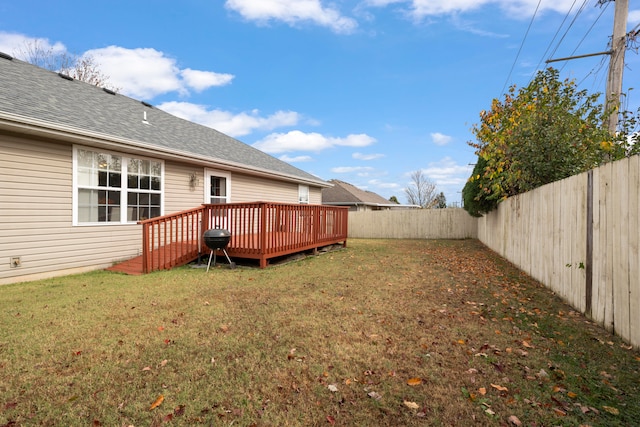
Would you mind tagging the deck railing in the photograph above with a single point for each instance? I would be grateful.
(260, 230)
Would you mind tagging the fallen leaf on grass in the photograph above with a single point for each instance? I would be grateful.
(499, 387)
(374, 395)
(411, 405)
(482, 391)
(332, 388)
(331, 420)
(291, 354)
(559, 412)
(515, 421)
(157, 402)
(414, 381)
(611, 410)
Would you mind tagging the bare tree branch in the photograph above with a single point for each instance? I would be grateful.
(422, 191)
(84, 68)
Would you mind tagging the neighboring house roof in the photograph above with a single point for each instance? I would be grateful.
(343, 193)
(38, 101)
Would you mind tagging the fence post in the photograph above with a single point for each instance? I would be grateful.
(589, 261)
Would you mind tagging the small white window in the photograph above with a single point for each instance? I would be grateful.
(303, 194)
(218, 187)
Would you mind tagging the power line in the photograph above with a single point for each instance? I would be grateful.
(573, 21)
(588, 31)
(521, 45)
(544, 55)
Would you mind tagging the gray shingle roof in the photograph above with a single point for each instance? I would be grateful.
(36, 93)
(345, 193)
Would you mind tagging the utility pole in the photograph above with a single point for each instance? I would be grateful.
(616, 63)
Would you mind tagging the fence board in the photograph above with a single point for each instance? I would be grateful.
(620, 248)
(606, 239)
(544, 232)
(413, 224)
(634, 248)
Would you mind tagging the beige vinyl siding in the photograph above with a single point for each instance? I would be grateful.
(178, 194)
(36, 188)
(315, 195)
(245, 188)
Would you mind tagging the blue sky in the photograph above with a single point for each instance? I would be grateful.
(365, 91)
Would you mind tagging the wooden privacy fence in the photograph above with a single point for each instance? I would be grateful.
(453, 223)
(259, 230)
(581, 238)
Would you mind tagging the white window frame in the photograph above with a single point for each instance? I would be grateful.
(123, 189)
(208, 173)
(303, 194)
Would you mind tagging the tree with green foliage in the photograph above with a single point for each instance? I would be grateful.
(394, 199)
(472, 193)
(545, 132)
(440, 201)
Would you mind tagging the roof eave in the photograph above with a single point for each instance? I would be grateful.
(29, 126)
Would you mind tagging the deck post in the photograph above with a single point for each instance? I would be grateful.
(145, 248)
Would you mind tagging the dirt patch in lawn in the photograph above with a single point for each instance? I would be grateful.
(384, 332)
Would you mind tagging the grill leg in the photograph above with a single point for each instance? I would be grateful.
(209, 263)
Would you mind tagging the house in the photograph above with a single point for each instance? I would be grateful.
(345, 194)
(80, 166)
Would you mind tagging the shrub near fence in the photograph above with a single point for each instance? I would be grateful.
(451, 223)
(581, 238)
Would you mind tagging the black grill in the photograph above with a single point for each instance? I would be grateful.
(217, 239)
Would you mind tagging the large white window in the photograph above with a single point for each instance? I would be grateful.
(114, 188)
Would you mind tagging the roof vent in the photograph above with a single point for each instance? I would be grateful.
(5, 56)
(109, 91)
(146, 104)
(64, 76)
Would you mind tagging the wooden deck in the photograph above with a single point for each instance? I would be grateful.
(259, 231)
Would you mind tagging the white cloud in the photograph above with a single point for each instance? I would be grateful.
(145, 72)
(300, 141)
(201, 80)
(297, 159)
(362, 156)
(15, 44)
(419, 9)
(141, 73)
(229, 123)
(351, 169)
(440, 139)
(634, 17)
(385, 185)
(447, 172)
(293, 12)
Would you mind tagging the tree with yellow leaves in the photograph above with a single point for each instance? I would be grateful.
(542, 133)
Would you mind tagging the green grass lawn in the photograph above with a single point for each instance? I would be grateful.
(384, 332)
